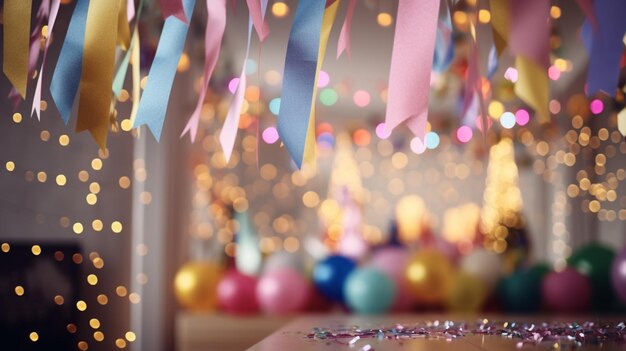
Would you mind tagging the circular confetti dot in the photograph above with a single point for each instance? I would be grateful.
(522, 117)
(507, 120)
(417, 146)
(270, 135)
(328, 97)
(361, 98)
(464, 134)
(596, 106)
(232, 85)
(323, 79)
(432, 140)
(274, 106)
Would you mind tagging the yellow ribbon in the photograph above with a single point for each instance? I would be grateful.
(97, 70)
(532, 86)
(327, 23)
(135, 62)
(500, 23)
(16, 43)
(621, 121)
(123, 28)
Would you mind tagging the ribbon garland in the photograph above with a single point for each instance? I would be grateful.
(343, 44)
(530, 42)
(216, 23)
(174, 8)
(299, 77)
(67, 72)
(500, 24)
(257, 10)
(36, 106)
(16, 37)
(123, 29)
(156, 94)
(120, 75)
(411, 62)
(97, 70)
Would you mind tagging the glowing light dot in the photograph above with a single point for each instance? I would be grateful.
(36, 250)
(464, 134)
(596, 106)
(33, 336)
(116, 227)
(10, 165)
(272, 77)
(92, 279)
(81, 305)
(484, 16)
(328, 96)
(97, 225)
(96, 164)
(382, 132)
(126, 125)
(511, 74)
(19, 290)
(554, 73)
(555, 12)
(91, 198)
(323, 79)
(280, 9)
(94, 323)
(495, 109)
(384, 19)
(361, 137)
(432, 140)
(522, 117)
(275, 106)
(17, 117)
(361, 98)
(64, 140)
(417, 146)
(130, 336)
(61, 180)
(270, 135)
(507, 120)
(232, 85)
(78, 228)
(251, 66)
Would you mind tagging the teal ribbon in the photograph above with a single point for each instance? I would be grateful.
(299, 77)
(67, 73)
(155, 98)
(120, 75)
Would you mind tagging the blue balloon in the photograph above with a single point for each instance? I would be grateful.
(369, 291)
(330, 275)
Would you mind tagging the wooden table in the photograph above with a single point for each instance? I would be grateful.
(293, 335)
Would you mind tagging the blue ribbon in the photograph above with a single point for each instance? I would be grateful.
(299, 77)
(67, 73)
(155, 98)
(606, 46)
(444, 45)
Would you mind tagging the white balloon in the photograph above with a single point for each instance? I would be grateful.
(485, 265)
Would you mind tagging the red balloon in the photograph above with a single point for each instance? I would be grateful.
(567, 291)
(236, 293)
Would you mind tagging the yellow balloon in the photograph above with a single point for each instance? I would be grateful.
(467, 293)
(428, 275)
(195, 285)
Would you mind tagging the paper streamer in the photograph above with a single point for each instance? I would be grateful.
(444, 47)
(36, 107)
(155, 96)
(67, 72)
(299, 77)
(621, 122)
(586, 6)
(136, 75)
(97, 70)
(343, 44)
(529, 41)
(120, 75)
(216, 23)
(130, 9)
(175, 8)
(327, 24)
(123, 29)
(258, 18)
(16, 39)
(606, 47)
(411, 63)
(500, 23)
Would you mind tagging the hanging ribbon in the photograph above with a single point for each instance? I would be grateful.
(123, 29)
(136, 75)
(174, 8)
(257, 14)
(444, 46)
(327, 23)
(411, 63)
(36, 107)
(97, 70)
(216, 23)
(586, 6)
(500, 23)
(67, 72)
(130, 10)
(155, 97)
(343, 44)
(16, 38)
(299, 77)
(606, 47)
(530, 42)
(120, 75)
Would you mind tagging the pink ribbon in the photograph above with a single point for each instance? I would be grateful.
(36, 107)
(343, 44)
(530, 30)
(174, 8)
(258, 19)
(130, 9)
(411, 64)
(216, 23)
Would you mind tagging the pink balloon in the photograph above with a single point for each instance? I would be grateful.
(567, 291)
(236, 293)
(618, 275)
(282, 291)
(392, 261)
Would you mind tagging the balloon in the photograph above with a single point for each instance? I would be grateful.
(236, 293)
(392, 261)
(484, 265)
(195, 285)
(284, 259)
(369, 291)
(595, 262)
(521, 291)
(567, 291)
(619, 275)
(467, 293)
(428, 275)
(330, 275)
(282, 291)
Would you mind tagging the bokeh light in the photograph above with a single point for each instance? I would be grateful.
(464, 134)
(328, 96)
(522, 117)
(507, 120)
(384, 19)
(274, 106)
(432, 140)
(596, 106)
(417, 146)
(280, 9)
(361, 98)
(382, 132)
(270, 135)
(232, 85)
(323, 79)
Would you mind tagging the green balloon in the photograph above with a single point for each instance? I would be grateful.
(521, 291)
(595, 262)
